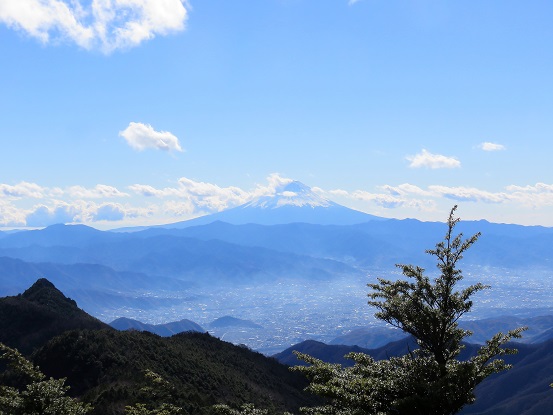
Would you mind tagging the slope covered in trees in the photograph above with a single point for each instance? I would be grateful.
(106, 368)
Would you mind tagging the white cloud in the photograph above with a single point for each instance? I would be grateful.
(142, 136)
(469, 194)
(109, 212)
(536, 196)
(43, 215)
(204, 196)
(212, 197)
(487, 146)
(274, 182)
(188, 198)
(384, 200)
(390, 201)
(23, 189)
(100, 191)
(42, 19)
(338, 192)
(106, 25)
(405, 189)
(10, 215)
(150, 191)
(433, 161)
(537, 188)
(209, 196)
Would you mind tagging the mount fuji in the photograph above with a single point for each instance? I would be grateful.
(293, 202)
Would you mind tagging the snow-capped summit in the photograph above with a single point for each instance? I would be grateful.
(291, 202)
(291, 194)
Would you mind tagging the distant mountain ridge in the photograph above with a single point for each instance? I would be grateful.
(540, 329)
(163, 330)
(104, 269)
(228, 321)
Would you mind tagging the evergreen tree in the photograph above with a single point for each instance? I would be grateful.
(430, 380)
(158, 396)
(38, 395)
(246, 409)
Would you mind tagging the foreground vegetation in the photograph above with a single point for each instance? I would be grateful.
(430, 380)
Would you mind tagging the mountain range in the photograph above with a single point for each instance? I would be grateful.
(93, 266)
(163, 330)
(294, 235)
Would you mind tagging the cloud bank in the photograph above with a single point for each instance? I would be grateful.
(31, 205)
(105, 25)
(142, 136)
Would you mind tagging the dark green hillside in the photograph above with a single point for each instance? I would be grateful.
(29, 320)
(107, 368)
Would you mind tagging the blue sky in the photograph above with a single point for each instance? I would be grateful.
(131, 112)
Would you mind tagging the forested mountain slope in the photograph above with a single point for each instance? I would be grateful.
(106, 367)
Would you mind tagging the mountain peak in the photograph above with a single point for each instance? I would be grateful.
(290, 202)
(293, 193)
(29, 320)
(43, 292)
(294, 186)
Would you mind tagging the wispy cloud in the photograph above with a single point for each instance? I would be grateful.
(535, 196)
(537, 188)
(433, 161)
(105, 25)
(23, 189)
(487, 146)
(206, 197)
(100, 191)
(406, 189)
(380, 199)
(468, 194)
(142, 136)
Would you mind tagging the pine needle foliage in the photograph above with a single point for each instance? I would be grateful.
(430, 380)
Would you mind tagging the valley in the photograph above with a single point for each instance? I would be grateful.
(291, 311)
